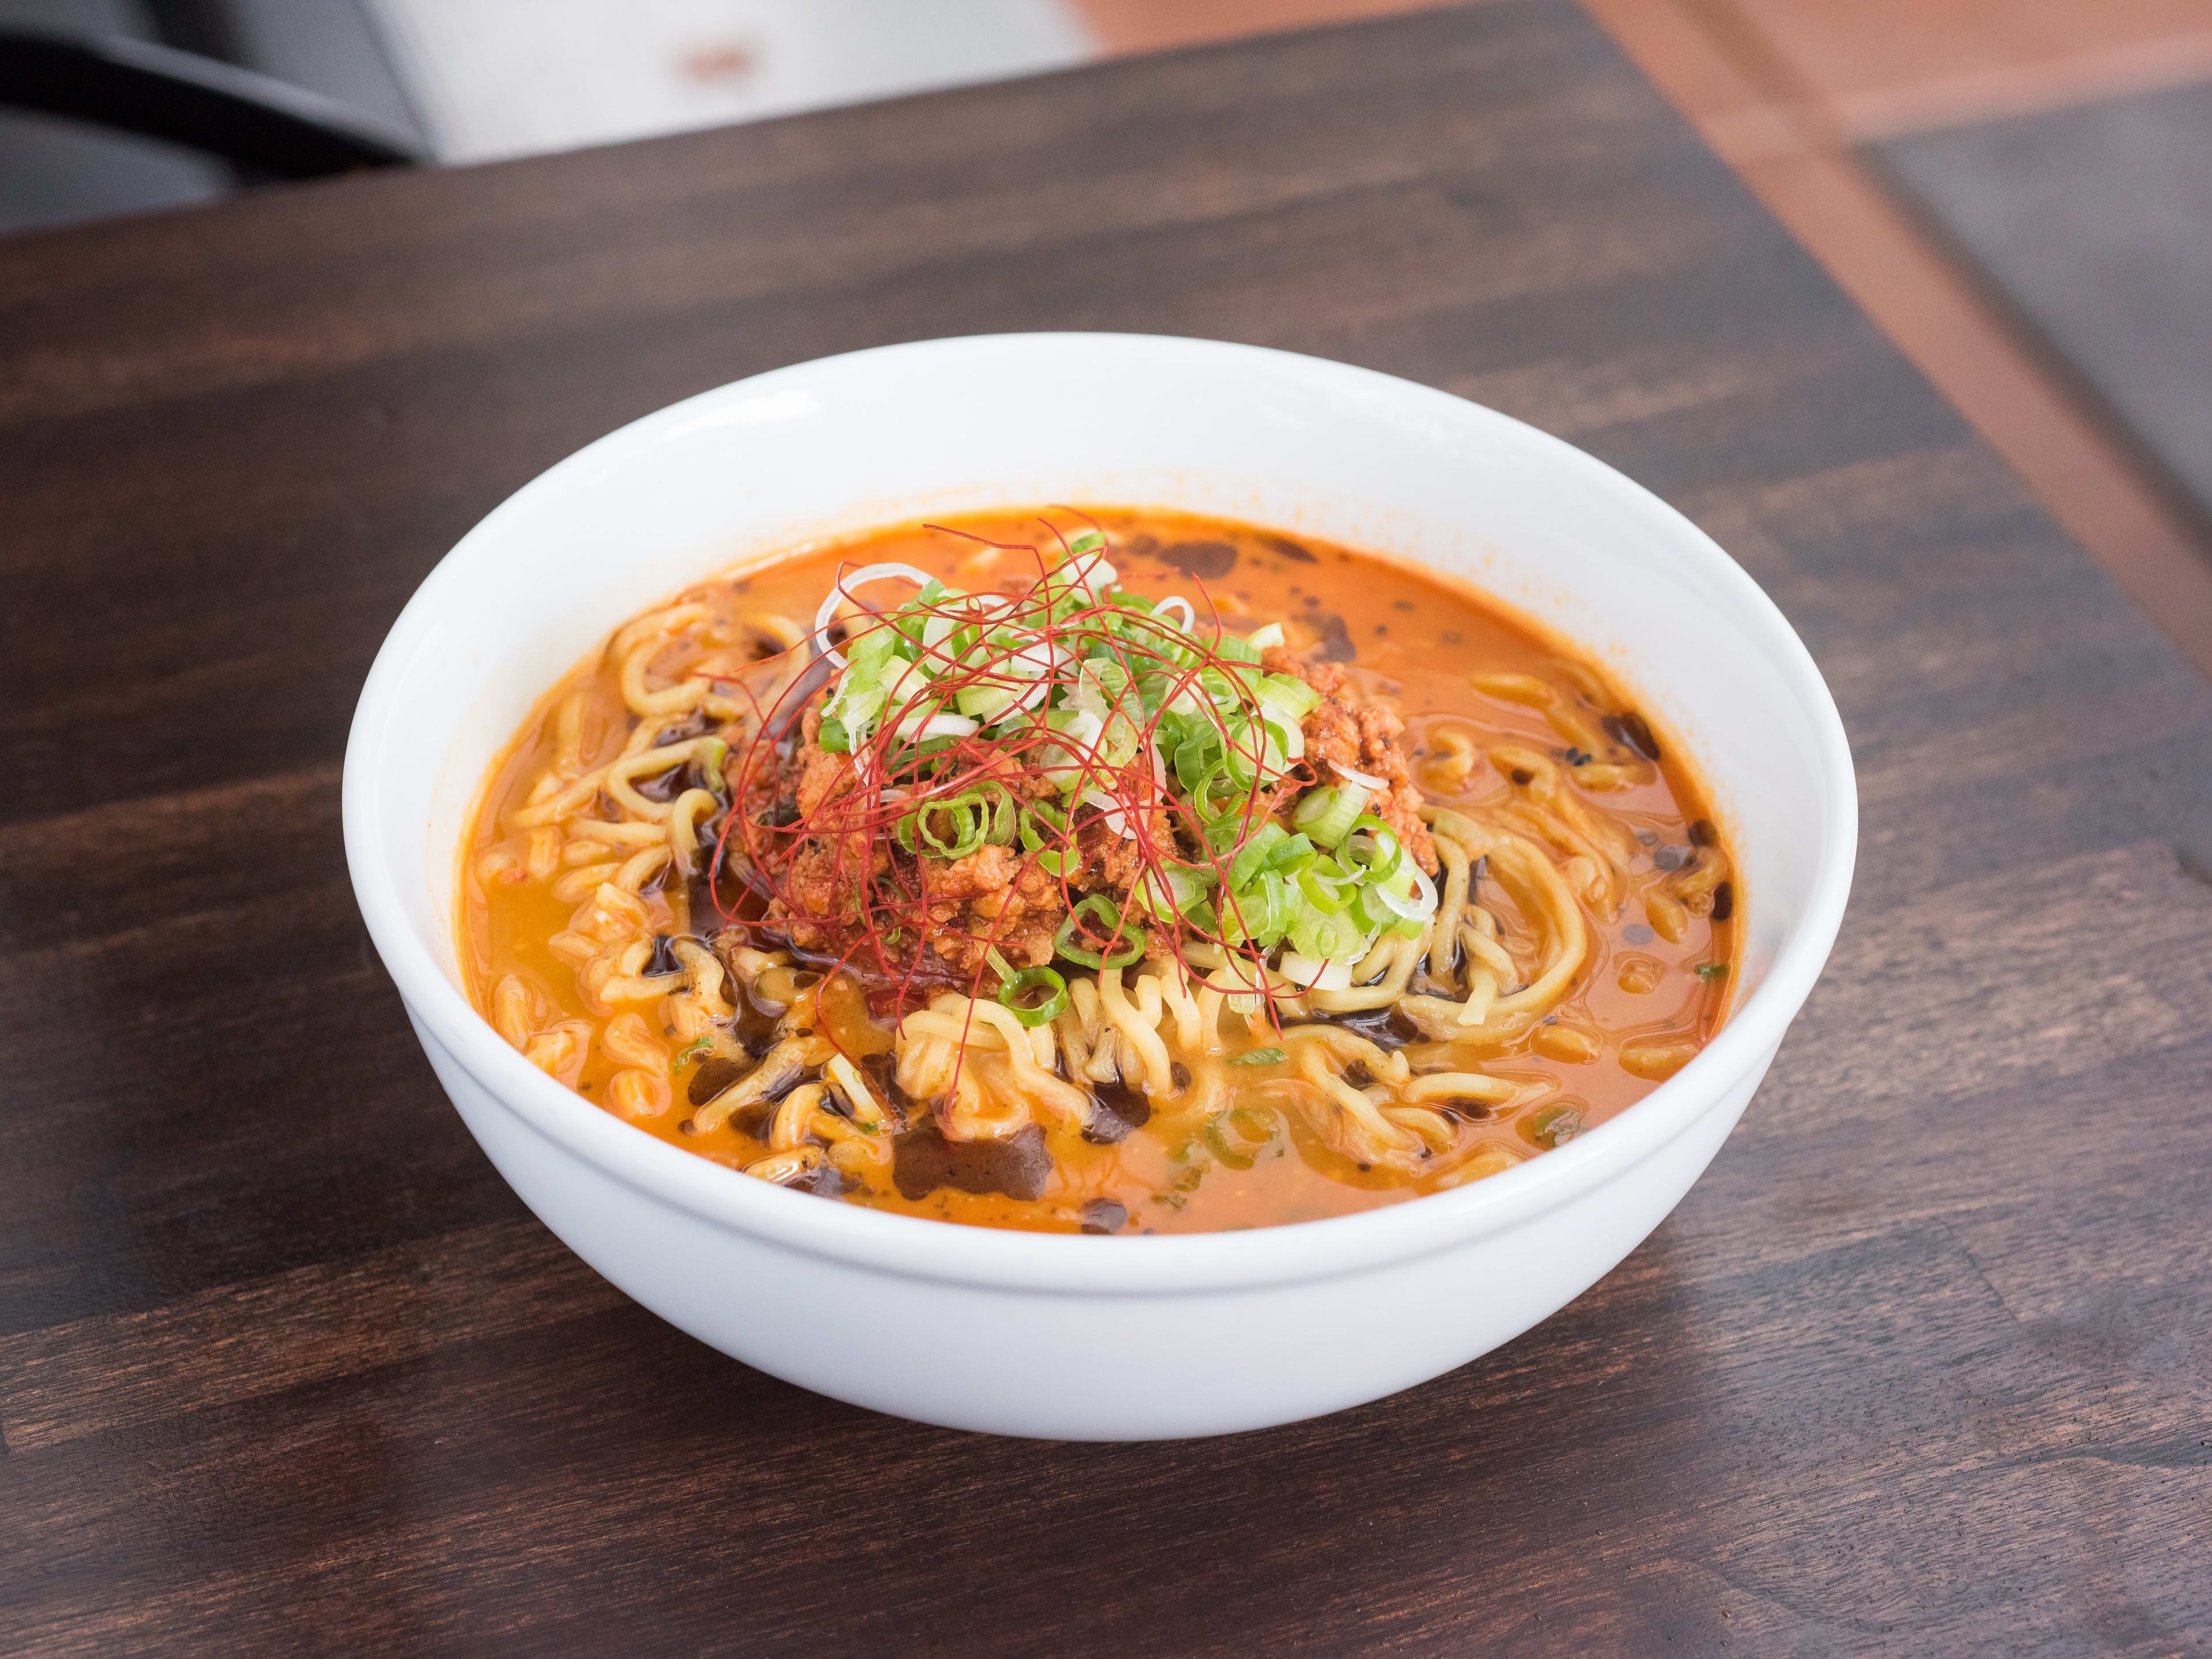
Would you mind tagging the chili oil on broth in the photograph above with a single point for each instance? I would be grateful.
(1645, 999)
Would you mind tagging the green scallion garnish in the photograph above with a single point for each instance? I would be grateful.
(1095, 914)
(1035, 996)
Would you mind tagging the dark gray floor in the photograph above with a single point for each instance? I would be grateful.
(2095, 222)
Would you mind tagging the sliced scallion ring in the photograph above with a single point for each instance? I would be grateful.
(1097, 908)
(1314, 976)
(954, 829)
(1418, 906)
(1326, 896)
(1325, 816)
(1034, 996)
(842, 589)
(1372, 850)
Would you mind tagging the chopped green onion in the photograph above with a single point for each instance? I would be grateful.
(1019, 996)
(1712, 970)
(1555, 1125)
(1373, 851)
(685, 1055)
(1043, 824)
(1170, 891)
(1238, 1136)
(1236, 650)
(1096, 906)
(1326, 815)
(1375, 915)
(1254, 855)
(1325, 891)
(1100, 685)
(1054, 818)
(1261, 913)
(1327, 937)
(1260, 1057)
(1290, 693)
(956, 827)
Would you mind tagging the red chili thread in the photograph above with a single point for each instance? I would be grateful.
(886, 916)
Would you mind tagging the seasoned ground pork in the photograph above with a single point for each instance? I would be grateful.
(996, 898)
(1365, 738)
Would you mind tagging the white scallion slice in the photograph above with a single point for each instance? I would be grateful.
(1420, 906)
(1090, 573)
(843, 589)
(922, 727)
(1189, 611)
(1035, 663)
(1314, 976)
(1116, 820)
(1289, 736)
(1360, 778)
(1261, 638)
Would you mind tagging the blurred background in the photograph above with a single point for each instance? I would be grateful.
(2017, 191)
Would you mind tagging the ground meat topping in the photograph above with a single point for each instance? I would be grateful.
(996, 898)
(1363, 736)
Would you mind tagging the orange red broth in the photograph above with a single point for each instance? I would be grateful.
(1416, 638)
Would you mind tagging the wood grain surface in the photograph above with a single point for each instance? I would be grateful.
(1923, 1365)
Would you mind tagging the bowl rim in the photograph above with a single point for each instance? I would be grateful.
(1181, 1263)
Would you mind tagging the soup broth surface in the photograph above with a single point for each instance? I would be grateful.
(1244, 1135)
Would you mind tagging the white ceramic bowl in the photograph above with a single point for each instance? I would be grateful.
(1075, 1337)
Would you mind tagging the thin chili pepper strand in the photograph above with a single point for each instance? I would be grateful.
(845, 814)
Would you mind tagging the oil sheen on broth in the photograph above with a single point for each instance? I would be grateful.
(1527, 911)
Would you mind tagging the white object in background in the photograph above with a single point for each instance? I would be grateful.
(498, 78)
(1066, 1336)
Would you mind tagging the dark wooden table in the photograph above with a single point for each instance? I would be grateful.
(1923, 1365)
